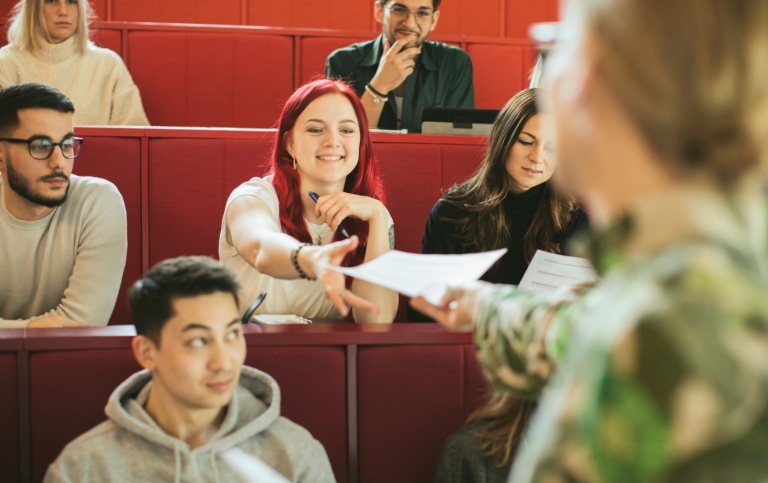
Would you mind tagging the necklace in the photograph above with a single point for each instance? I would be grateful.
(313, 229)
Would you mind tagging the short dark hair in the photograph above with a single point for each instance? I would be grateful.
(435, 3)
(29, 95)
(150, 299)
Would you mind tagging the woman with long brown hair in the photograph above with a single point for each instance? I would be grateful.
(483, 450)
(508, 202)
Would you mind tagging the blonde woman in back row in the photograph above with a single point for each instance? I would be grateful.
(48, 43)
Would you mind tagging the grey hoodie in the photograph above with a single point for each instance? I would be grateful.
(130, 446)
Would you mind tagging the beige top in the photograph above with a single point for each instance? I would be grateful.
(304, 298)
(97, 82)
(69, 263)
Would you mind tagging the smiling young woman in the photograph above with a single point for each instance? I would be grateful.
(48, 43)
(277, 238)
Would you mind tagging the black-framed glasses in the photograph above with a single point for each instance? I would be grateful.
(401, 14)
(42, 148)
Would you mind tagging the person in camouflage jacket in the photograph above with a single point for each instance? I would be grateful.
(658, 373)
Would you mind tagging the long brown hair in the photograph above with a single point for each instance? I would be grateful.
(503, 421)
(483, 224)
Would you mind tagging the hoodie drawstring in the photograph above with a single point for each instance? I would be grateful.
(215, 466)
(177, 461)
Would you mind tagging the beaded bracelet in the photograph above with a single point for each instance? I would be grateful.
(295, 262)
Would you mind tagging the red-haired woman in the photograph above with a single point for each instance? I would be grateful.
(276, 238)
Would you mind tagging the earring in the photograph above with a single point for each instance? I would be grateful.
(294, 162)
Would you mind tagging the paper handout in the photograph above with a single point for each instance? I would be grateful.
(549, 271)
(415, 274)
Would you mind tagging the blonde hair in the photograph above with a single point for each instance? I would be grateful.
(27, 25)
(691, 76)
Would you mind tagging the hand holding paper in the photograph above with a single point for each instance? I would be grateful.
(428, 275)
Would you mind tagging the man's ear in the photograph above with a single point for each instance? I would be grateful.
(435, 18)
(2, 157)
(378, 11)
(144, 350)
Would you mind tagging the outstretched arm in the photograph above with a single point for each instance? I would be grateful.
(520, 336)
(259, 241)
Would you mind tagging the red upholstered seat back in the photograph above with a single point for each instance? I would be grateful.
(111, 39)
(118, 159)
(211, 79)
(404, 445)
(351, 15)
(521, 14)
(68, 392)
(315, 50)
(223, 12)
(10, 343)
(499, 72)
(189, 183)
(313, 388)
(470, 17)
(411, 174)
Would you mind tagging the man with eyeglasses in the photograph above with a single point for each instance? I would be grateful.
(63, 236)
(400, 73)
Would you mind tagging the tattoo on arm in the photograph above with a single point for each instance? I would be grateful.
(392, 237)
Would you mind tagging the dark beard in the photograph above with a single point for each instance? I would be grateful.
(20, 186)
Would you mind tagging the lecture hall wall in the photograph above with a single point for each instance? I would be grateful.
(491, 18)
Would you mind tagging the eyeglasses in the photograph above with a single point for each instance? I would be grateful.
(401, 14)
(42, 148)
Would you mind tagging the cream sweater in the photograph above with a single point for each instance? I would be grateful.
(69, 263)
(97, 82)
(304, 298)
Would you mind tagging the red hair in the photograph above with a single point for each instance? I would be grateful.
(364, 180)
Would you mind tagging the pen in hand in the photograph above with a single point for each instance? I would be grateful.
(248, 315)
(341, 228)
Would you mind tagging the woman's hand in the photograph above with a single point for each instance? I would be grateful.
(457, 308)
(333, 208)
(320, 258)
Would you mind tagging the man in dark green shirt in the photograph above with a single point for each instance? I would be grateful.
(400, 73)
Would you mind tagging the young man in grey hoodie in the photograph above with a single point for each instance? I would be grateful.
(195, 413)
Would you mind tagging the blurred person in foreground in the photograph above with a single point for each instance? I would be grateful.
(660, 372)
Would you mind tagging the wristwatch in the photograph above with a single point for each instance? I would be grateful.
(378, 97)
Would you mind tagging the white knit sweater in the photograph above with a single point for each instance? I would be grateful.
(69, 263)
(97, 82)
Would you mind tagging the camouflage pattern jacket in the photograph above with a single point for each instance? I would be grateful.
(660, 372)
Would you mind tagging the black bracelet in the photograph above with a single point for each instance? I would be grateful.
(369, 86)
(295, 262)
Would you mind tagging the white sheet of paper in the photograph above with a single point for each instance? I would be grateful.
(429, 275)
(548, 271)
